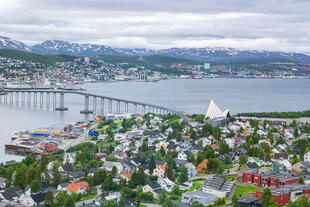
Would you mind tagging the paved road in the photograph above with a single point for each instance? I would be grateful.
(79, 139)
(204, 176)
(151, 205)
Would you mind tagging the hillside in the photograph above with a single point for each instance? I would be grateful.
(29, 56)
(145, 60)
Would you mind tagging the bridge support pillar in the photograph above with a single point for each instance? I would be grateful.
(126, 107)
(118, 109)
(102, 107)
(86, 106)
(6, 98)
(41, 100)
(23, 98)
(62, 103)
(48, 100)
(95, 105)
(54, 100)
(35, 99)
(29, 99)
(135, 108)
(17, 98)
(11, 98)
(110, 106)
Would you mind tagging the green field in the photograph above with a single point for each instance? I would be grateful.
(234, 177)
(243, 190)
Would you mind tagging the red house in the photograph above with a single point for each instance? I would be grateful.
(267, 178)
(282, 195)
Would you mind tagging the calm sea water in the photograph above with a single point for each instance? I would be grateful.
(191, 96)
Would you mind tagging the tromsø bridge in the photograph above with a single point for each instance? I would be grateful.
(55, 99)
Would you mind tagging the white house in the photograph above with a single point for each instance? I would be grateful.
(120, 136)
(159, 171)
(182, 156)
(108, 166)
(166, 184)
(191, 169)
(69, 158)
(2, 182)
(186, 185)
(307, 157)
(26, 200)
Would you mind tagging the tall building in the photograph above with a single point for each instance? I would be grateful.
(86, 60)
(206, 66)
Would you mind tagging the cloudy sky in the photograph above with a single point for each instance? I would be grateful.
(243, 24)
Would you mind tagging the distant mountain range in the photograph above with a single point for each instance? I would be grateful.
(8, 43)
(200, 54)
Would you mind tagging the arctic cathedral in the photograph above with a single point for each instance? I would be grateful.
(215, 116)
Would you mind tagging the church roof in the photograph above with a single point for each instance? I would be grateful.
(214, 111)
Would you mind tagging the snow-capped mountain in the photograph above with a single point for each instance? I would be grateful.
(8, 43)
(217, 54)
(200, 54)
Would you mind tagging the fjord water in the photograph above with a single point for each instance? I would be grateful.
(190, 96)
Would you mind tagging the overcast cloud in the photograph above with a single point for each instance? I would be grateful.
(243, 24)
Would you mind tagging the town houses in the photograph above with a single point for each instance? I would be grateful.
(158, 159)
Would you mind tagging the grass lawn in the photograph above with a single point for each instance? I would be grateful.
(234, 177)
(229, 166)
(106, 143)
(196, 186)
(242, 190)
(171, 121)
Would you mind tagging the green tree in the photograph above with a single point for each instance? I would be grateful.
(296, 134)
(114, 171)
(121, 202)
(243, 159)
(49, 199)
(235, 202)
(267, 196)
(192, 133)
(20, 178)
(152, 163)
(169, 173)
(29, 160)
(168, 203)
(44, 163)
(176, 190)
(162, 196)
(217, 133)
(111, 203)
(35, 186)
(301, 180)
(162, 151)
(224, 148)
(57, 177)
(183, 174)
(69, 202)
(206, 130)
(30, 175)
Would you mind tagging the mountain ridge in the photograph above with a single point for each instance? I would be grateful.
(206, 54)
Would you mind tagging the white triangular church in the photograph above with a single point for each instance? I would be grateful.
(215, 112)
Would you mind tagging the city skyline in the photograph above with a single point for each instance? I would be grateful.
(274, 25)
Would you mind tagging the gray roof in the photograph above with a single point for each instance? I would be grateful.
(218, 183)
(247, 200)
(199, 194)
